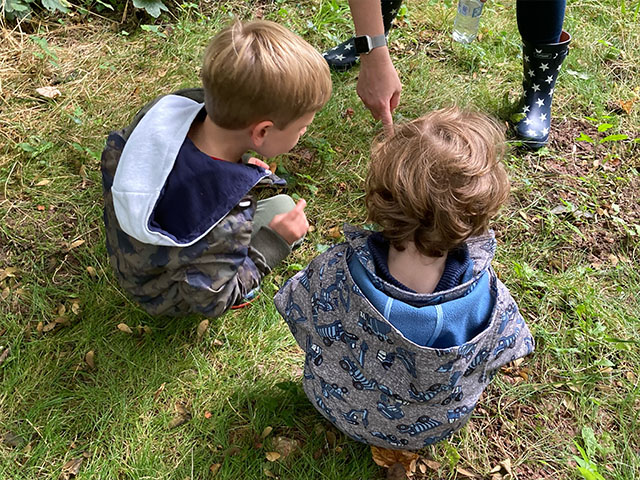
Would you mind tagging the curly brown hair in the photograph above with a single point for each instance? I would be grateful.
(437, 180)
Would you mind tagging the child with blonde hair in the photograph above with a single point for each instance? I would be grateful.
(183, 229)
(404, 328)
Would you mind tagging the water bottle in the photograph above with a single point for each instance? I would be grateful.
(465, 27)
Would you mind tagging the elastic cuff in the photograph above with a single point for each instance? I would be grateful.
(271, 246)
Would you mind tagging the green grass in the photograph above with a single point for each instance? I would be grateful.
(573, 270)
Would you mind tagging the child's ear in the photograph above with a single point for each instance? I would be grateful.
(260, 131)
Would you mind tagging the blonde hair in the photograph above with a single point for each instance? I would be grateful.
(260, 70)
(437, 180)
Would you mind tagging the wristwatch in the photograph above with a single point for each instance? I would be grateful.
(364, 43)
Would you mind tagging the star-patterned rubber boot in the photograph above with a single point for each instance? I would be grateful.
(541, 64)
(342, 57)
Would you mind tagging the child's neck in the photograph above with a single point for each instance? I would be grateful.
(414, 270)
(218, 142)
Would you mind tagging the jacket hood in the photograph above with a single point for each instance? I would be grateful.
(147, 160)
(481, 250)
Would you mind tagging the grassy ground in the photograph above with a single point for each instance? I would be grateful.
(81, 398)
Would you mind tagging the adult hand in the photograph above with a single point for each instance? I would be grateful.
(291, 225)
(379, 86)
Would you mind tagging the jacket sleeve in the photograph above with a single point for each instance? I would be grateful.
(222, 269)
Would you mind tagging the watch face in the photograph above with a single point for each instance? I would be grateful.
(362, 44)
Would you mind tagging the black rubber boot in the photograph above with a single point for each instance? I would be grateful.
(541, 65)
(342, 57)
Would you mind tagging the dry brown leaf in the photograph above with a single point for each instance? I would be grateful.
(158, 391)
(214, 468)
(71, 468)
(506, 464)
(40, 328)
(465, 473)
(207, 414)
(269, 473)
(75, 307)
(76, 244)
(5, 293)
(266, 432)
(43, 182)
(40, 208)
(203, 326)
(285, 446)
(334, 232)
(627, 105)
(386, 458)
(90, 359)
(217, 343)
(273, 456)
(123, 327)
(49, 326)
(8, 272)
(3, 331)
(179, 420)
(273, 167)
(4, 354)
(92, 272)
(49, 92)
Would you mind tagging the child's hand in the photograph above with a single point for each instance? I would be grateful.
(291, 225)
(258, 162)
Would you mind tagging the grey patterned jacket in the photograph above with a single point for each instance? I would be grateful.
(370, 381)
(208, 275)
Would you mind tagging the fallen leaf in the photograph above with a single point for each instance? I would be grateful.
(217, 343)
(273, 167)
(75, 307)
(266, 432)
(61, 309)
(3, 331)
(76, 244)
(269, 473)
(40, 208)
(207, 414)
(123, 327)
(348, 113)
(8, 272)
(179, 420)
(4, 354)
(285, 446)
(92, 272)
(506, 464)
(40, 327)
(214, 468)
(90, 359)
(335, 232)
(202, 328)
(627, 105)
(49, 326)
(158, 391)
(273, 456)
(465, 473)
(387, 458)
(71, 468)
(49, 92)
(5, 293)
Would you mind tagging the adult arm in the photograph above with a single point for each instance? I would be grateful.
(379, 86)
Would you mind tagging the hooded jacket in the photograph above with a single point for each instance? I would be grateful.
(366, 377)
(208, 268)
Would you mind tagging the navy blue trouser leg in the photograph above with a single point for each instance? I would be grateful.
(540, 21)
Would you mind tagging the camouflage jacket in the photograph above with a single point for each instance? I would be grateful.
(366, 378)
(207, 275)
